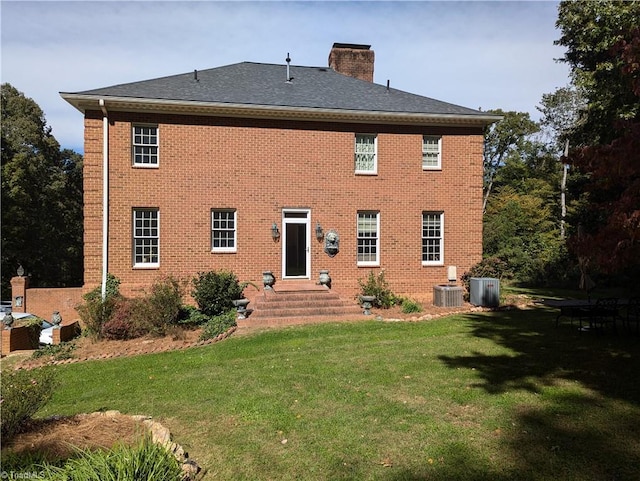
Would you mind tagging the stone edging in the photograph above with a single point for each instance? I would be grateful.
(161, 436)
(35, 363)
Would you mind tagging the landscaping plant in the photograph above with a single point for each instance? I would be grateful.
(147, 461)
(23, 394)
(218, 324)
(214, 291)
(377, 285)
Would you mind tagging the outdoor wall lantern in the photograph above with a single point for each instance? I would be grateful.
(20, 270)
(319, 232)
(275, 233)
(18, 301)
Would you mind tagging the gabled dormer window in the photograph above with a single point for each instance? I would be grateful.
(145, 146)
(366, 157)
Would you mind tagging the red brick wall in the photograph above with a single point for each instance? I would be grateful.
(43, 301)
(260, 167)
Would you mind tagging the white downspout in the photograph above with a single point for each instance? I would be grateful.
(105, 197)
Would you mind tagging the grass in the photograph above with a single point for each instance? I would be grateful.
(498, 396)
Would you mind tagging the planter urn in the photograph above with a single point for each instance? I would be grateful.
(367, 304)
(241, 307)
(268, 280)
(324, 279)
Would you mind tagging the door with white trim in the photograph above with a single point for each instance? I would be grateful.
(296, 248)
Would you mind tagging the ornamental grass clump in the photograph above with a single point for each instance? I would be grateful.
(148, 461)
(23, 394)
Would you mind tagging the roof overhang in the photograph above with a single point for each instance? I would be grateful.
(85, 102)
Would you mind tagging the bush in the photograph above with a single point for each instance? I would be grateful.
(218, 324)
(148, 460)
(214, 291)
(377, 286)
(95, 312)
(128, 320)
(56, 351)
(191, 317)
(23, 394)
(409, 306)
(165, 300)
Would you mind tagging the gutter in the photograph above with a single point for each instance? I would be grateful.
(105, 197)
(84, 102)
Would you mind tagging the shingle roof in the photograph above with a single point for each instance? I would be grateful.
(265, 85)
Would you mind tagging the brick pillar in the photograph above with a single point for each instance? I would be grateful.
(19, 286)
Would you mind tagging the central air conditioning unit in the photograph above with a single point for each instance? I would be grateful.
(446, 295)
(484, 291)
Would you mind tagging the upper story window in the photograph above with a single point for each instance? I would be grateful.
(431, 152)
(432, 238)
(223, 230)
(366, 157)
(146, 237)
(368, 239)
(145, 146)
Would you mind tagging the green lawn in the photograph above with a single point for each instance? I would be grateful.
(482, 396)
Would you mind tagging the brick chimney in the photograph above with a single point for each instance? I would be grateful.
(353, 60)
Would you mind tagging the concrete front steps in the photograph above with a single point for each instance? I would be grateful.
(295, 302)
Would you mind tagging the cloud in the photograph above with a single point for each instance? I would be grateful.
(489, 54)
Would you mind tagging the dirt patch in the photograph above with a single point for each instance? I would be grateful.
(59, 437)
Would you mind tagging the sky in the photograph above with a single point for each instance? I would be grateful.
(479, 54)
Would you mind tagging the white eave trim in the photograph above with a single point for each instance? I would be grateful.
(84, 102)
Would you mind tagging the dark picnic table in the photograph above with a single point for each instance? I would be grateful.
(592, 311)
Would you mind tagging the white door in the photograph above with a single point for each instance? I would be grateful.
(296, 251)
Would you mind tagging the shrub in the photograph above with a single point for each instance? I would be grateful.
(148, 460)
(23, 394)
(191, 317)
(127, 321)
(165, 300)
(377, 286)
(56, 351)
(218, 324)
(94, 312)
(409, 306)
(214, 291)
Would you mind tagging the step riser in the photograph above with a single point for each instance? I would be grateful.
(288, 307)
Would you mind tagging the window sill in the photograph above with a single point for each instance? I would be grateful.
(145, 166)
(359, 172)
(146, 266)
(432, 264)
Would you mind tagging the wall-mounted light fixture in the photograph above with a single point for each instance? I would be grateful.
(18, 300)
(275, 233)
(319, 232)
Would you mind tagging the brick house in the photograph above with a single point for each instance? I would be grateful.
(253, 167)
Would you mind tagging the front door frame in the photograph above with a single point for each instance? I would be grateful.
(306, 221)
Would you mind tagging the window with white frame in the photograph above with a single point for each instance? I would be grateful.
(223, 230)
(431, 152)
(366, 154)
(432, 238)
(368, 238)
(146, 237)
(145, 146)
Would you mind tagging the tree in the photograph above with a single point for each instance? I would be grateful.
(603, 50)
(590, 33)
(502, 139)
(41, 198)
